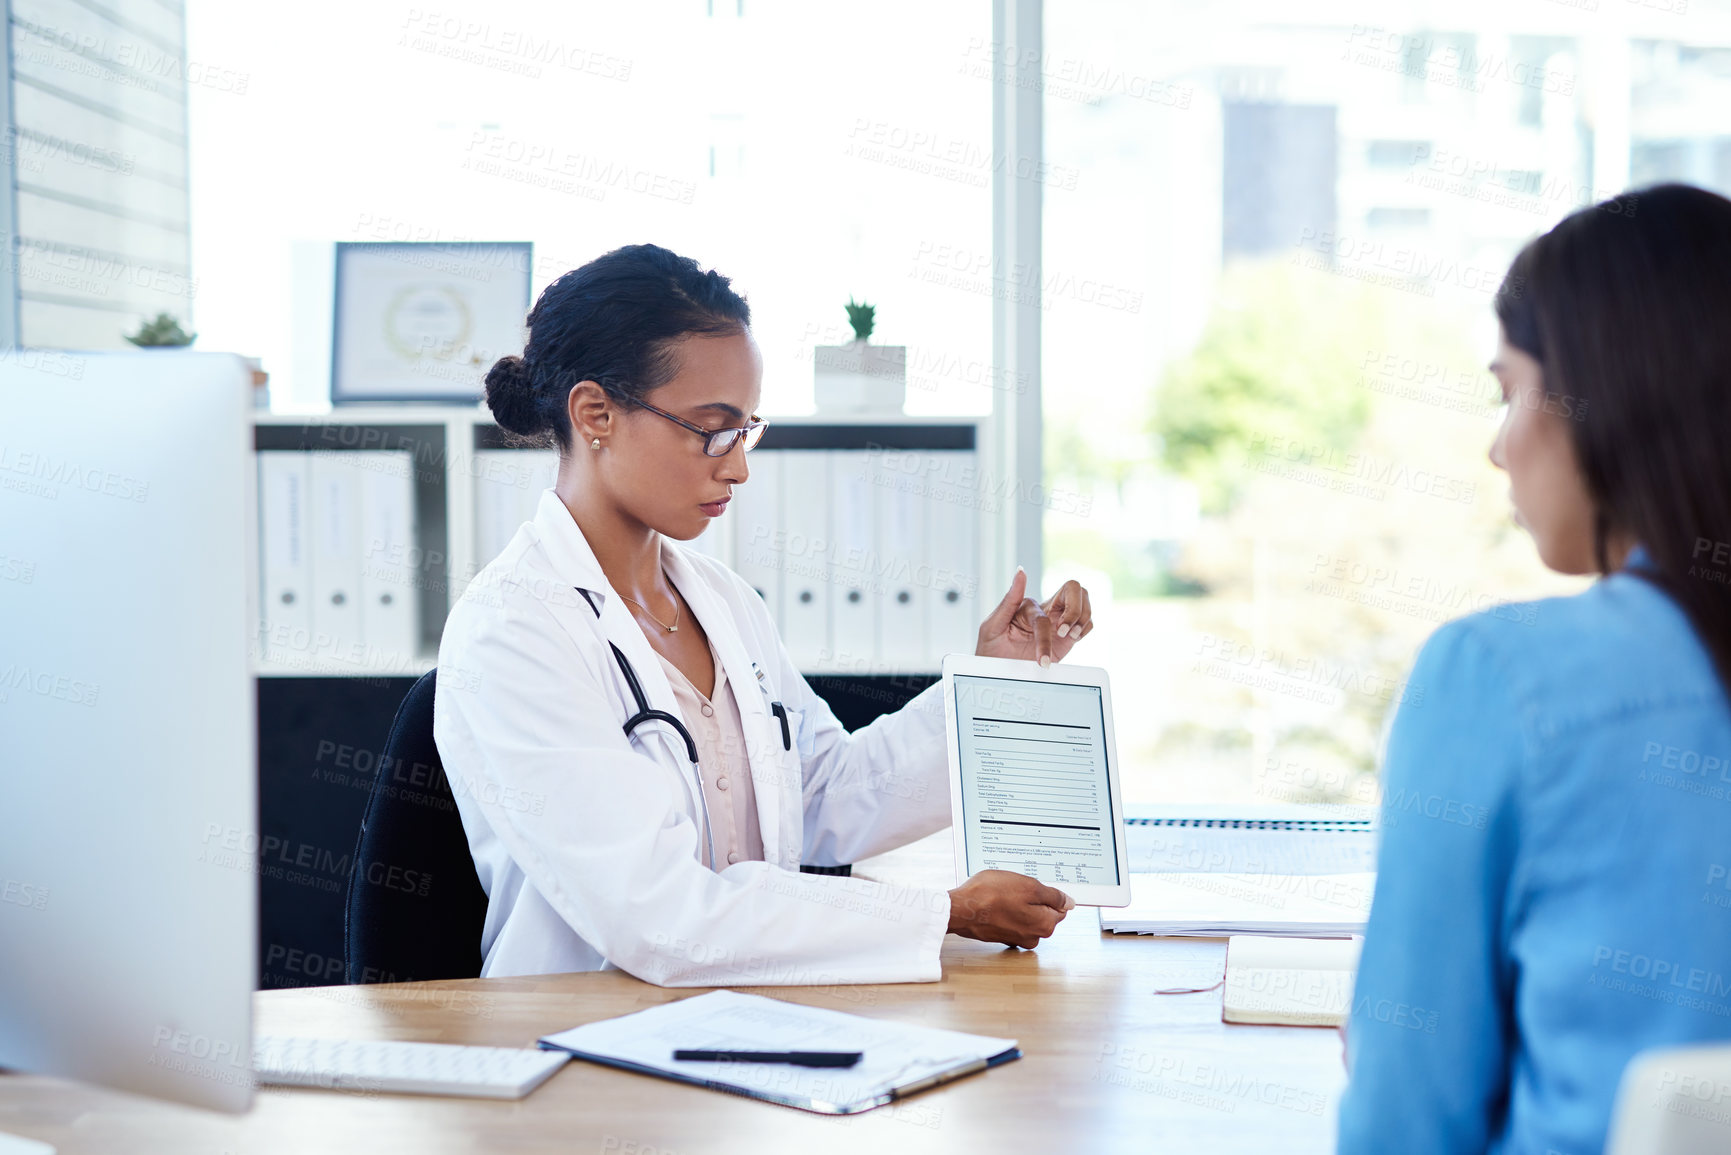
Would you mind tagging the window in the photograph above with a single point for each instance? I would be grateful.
(1279, 452)
(772, 140)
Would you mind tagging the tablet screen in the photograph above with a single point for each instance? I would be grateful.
(1035, 795)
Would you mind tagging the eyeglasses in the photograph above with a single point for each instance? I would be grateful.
(720, 442)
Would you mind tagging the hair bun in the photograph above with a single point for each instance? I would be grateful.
(511, 397)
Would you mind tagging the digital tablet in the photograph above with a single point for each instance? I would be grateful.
(1034, 775)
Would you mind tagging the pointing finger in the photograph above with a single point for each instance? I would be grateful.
(1041, 624)
(1006, 609)
(1072, 602)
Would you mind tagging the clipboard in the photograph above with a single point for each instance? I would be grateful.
(900, 1059)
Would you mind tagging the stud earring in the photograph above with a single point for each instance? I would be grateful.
(595, 444)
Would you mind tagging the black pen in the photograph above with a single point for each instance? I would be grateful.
(793, 1058)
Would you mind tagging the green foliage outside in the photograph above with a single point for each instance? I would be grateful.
(1331, 563)
(1278, 362)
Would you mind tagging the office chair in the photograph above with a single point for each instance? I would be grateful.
(415, 906)
(1672, 1102)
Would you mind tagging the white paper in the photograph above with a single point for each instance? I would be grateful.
(895, 1054)
(1224, 904)
(1156, 849)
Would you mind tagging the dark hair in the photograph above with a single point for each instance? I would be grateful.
(1626, 305)
(614, 321)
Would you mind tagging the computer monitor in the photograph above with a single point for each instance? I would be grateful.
(128, 793)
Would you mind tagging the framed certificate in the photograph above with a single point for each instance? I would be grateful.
(424, 321)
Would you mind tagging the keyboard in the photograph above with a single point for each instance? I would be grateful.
(412, 1068)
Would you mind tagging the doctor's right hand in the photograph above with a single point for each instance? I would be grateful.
(1003, 906)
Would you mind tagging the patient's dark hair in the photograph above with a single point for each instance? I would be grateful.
(616, 321)
(1627, 306)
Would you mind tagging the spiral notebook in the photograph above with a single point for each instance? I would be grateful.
(1267, 839)
(899, 1058)
(1269, 870)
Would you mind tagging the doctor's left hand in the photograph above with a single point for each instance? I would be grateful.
(1023, 628)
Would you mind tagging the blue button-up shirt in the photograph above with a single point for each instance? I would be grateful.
(1554, 882)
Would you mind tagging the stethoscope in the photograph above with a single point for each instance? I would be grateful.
(646, 714)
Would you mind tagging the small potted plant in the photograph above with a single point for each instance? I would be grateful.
(860, 377)
(162, 331)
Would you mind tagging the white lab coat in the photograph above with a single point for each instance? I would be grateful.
(590, 846)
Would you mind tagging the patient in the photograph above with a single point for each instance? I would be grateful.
(1569, 907)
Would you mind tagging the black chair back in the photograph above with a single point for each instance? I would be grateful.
(415, 906)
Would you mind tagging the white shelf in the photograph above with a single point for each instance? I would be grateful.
(448, 478)
(333, 670)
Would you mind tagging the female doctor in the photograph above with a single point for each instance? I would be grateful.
(639, 767)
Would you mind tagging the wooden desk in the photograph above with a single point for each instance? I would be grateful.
(1109, 1066)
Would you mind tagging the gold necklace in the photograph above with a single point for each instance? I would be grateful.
(674, 628)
